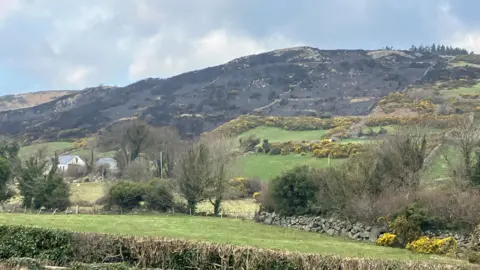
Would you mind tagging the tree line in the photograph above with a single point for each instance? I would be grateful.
(436, 49)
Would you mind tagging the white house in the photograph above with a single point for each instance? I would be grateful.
(64, 162)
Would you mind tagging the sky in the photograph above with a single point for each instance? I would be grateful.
(74, 44)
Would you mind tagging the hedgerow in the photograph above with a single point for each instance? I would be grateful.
(117, 252)
(320, 149)
(247, 122)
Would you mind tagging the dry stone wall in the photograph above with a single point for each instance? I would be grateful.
(338, 227)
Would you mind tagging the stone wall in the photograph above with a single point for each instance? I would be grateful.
(338, 227)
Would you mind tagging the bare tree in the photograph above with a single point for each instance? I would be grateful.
(129, 138)
(194, 174)
(205, 170)
(223, 160)
(165, 150)
(465, 137)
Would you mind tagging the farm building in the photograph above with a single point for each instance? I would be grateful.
(66, 163)
(106, 166)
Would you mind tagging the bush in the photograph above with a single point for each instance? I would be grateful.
(438, 246)
(158, 196)
(473, 257)
(248, 144)
(256, 196)
(275, 151)
(294, 191)
(77, 249)
(127, 195)
(388, 240)
(44, 244)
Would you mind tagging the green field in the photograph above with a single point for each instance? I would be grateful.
(274, 134)
(231, 231)
(475, 90)
(50, 148)
(267, 167)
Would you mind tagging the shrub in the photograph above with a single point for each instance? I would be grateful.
(245, 188)
(439, 246)
(256, 196)
(388, 240)
(248, 144)
(275, 151)
(473, 257)
(158, 196)
(45, 244)
(117, 252)
(294, 191)
(127, 195)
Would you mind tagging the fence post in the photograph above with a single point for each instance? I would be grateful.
(54, 211)
(76, 210)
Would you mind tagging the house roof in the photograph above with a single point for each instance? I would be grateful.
(106, 161)
(64, 160)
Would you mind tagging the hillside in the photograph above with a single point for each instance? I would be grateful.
(21, 101)
(287, 82)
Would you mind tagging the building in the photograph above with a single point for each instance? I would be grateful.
(71, 165)
(106, 167)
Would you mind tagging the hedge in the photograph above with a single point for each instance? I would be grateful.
(65, 248)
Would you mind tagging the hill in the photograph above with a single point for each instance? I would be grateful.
(286, 82)
(21, 101)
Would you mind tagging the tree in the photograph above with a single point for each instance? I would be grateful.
(195, 174)
(222, 158)
(165, 149)
(465, 136)
(5, 173)
(30, 173)
(41, 186)
(129, 138)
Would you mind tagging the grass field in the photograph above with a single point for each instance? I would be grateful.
(232, 231)
(50, 148)
(267, 167)
(281, 135)
(475, 90)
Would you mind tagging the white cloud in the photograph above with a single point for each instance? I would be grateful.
(7, 7)
(467, 40)
(77, 75)
(156, 55)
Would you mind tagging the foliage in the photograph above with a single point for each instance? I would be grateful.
(402, 100)
(406, 229)
(248, 144)
(387, 240)
(256, 196)
(293, 191)
(322, 149)
(158, 196)
(195, 174)
(438, 121)
(127, 195)
(441, 246)
(247, 122)
(5, 173)
(45, 244)
(245, 188)
(77, 249)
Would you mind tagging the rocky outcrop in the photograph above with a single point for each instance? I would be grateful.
(338, 227)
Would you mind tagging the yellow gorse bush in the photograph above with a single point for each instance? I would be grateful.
(439, 246)
(387, 240)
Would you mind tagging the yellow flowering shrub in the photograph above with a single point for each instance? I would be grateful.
(256, 196)
(387, 240)
(439, 246)
(247, 122)
(80, 143)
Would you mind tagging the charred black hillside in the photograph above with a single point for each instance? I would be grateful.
(288, 82)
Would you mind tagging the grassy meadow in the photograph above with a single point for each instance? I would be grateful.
(475, 90)
(266, 167)
(49, 147)
(231, 231)
(274, 134)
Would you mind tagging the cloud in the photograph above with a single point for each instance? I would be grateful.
(156, 55)
(8, 7)
(75, 44)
